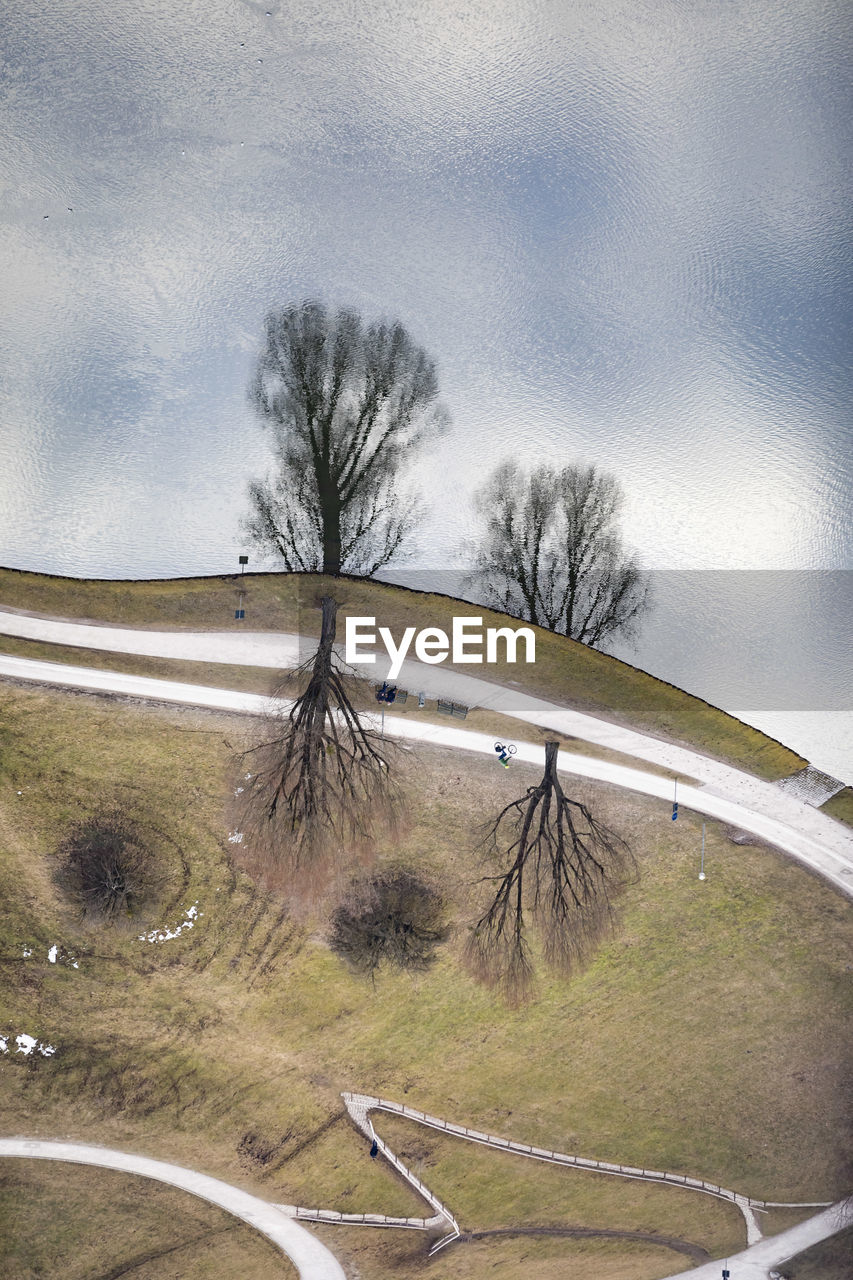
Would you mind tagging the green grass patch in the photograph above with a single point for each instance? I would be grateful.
(840, 806)
(566, 672)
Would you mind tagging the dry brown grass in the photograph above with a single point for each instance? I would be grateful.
(68, 1220)
(707, 1036)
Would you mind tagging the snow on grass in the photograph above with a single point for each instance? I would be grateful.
(55, 955)
(27, 1045)
(235, 837)
(164, 935)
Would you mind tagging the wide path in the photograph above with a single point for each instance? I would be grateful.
(758, 1260)
(311, 1258)
(724, 793)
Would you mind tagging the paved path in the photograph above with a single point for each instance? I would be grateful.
(759, 1260)
(745, 802)
(311, 1258)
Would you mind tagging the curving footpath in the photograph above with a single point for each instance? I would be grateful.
(311, 1258)
(724, 793)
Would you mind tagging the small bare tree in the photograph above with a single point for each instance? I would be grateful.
(393, 917)
(319, 776)
(551, 552)
(564, 868)
(111, 864)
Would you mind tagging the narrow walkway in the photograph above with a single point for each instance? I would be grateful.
(360, 1105)
(311, 1258)
(811, 837)
(776, 1248)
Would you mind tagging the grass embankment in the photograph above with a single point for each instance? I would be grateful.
(76, 1222)
(840, 806)
(565, 672)
(707, 1037)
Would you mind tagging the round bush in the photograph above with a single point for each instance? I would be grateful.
(392, 917)
(109, 863)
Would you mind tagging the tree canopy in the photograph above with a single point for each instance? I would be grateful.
(550, 551)
(348, 405)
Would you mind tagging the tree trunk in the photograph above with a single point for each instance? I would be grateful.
(330, 508)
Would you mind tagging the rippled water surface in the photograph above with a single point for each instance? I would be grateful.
(623, 231)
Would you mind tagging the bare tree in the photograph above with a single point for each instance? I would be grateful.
(563, 871)
(551, 552)
(318, 777)
(347, 406)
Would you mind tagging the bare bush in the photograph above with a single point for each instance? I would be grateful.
(110, 863)
(393, 918)
(563, 870)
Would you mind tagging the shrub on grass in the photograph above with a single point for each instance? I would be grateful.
(392, 917)
(110, 864)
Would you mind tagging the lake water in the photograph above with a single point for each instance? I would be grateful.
(623, 232)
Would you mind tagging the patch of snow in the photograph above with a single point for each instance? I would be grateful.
(4, 1045)
(27, 1045)
(247, 778)
(191, 914)
(239, 791)
(235, 837)
(55, 955)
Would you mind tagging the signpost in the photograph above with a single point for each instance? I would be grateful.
(240, 612)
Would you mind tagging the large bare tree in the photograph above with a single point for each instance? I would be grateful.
(347, 405)
(319, 776)
(551, 552)
(561, 869)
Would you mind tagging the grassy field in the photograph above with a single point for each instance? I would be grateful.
(708, 1036)
(80, 1223)
(569, 673)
